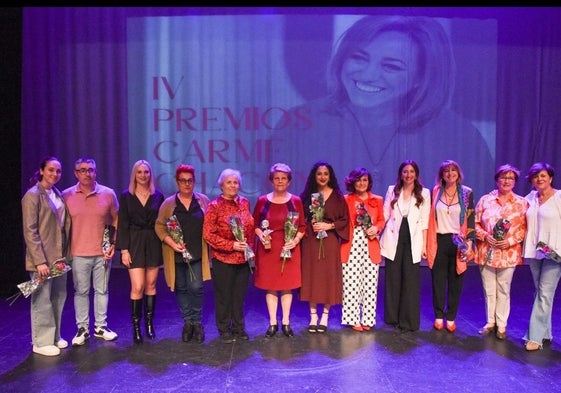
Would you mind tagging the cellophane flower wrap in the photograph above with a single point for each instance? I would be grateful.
(362, 217)
(107, 239)
(461, 243)
(237, 230)
(174, 230)
(548, 252)
(106, 243)
(290, 231)
(57, 268)
(499, 233)
(317, 208)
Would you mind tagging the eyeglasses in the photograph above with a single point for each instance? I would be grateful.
(83, 171)
(185, 181)
(507, 178)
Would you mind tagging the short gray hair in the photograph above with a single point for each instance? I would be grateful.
(227, 173)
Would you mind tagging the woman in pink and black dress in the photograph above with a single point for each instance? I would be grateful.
(451, 215)
(322, 277)
(271, 274)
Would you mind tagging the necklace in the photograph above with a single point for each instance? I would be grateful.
(542, 198)
(449, 199)
(142, 195)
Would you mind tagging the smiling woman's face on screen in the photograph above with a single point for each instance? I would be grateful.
(381, 72)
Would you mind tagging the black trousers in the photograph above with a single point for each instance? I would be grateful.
(446, 283)
(402, 303)
(230, 286)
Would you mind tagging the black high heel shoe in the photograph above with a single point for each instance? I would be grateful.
(272, 330)
(313, 328)
(321, 327)
(287, 331)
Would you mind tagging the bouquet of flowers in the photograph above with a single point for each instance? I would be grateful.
(266, 238)
(174, 229)
(460, 242)
(237, 230)
(57, 268)
(548, 252)
(106, 243)
(499, 233)
(362, 217)
(317, 208)
(290, 230)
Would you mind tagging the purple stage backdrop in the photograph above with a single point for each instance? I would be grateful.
(245, 88)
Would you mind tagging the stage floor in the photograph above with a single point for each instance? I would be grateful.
(341, 360)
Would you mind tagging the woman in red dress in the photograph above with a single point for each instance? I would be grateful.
(273, 273)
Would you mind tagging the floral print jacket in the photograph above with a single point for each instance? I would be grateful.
(488, 211)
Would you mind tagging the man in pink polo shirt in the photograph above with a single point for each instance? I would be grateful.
(92, 207)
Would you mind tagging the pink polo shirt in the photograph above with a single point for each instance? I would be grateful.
(90, 213)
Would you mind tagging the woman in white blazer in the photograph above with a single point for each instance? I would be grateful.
(404, 244)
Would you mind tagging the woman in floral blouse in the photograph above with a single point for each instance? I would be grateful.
(500, 225)
(230, 268)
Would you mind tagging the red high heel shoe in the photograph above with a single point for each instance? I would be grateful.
(451, 326)
(439, 325)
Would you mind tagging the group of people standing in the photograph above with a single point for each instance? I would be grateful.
(68, 226)
(449, 230)
(324, 244)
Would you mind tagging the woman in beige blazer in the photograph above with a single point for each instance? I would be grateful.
(46, 230)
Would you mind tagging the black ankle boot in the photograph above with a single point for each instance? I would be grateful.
(198, 333)
(136, 311)
(149, 306)
(187, 332)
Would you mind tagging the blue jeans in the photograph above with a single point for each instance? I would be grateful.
(84, 269)
(546, 274)
(46, 311)
(189, 293)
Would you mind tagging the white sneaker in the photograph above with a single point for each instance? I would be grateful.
(47, 350)
(105, 333)
(81, 336)
(61, 344)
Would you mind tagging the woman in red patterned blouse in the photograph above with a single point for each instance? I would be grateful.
(230, 267)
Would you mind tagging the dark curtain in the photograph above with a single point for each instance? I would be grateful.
(74, 92)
